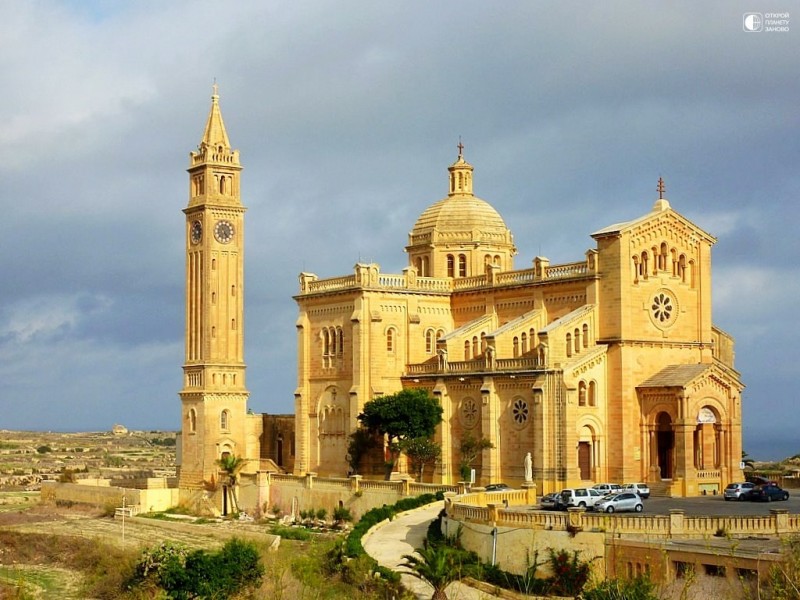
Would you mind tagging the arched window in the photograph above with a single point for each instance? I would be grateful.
(524, 345)
(516, 346)
(592, 393)
(429, 341)
(222, 184)
(213, 297)
(475, 346)
(462, 265)
(390, 341)
(326, 342)
(643, 267)
(213, 264)
(497, 260)
(569, 344)
(674, 255)
(532, 338)
(334, 340)
(233, 324)
(662, 257)
(582, 393)
(585, 335)
(451, 269)
(467, 350)
(424, 270)
(192, 420)
(577, 340)
(341, 340)
(439, 334)
(483, 341)
(225, 420)
(233, 290)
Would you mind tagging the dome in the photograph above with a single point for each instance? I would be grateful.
(461, 213)
(461, 235)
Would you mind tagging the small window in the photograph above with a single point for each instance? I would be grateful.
(585, 336)
(192, 420)
(516, 346)
(683, 570)
(462, 265)
(569, 344)
(429, 341)
(451, 269)
(225, 420)
(390, 341)
(524, 346)
(582, 393)
(714, 570)
(467, 350)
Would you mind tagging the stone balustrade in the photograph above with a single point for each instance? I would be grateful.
(496, 510)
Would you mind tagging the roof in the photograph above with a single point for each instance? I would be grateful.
(675, 376)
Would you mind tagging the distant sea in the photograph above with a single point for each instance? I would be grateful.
(767, 446)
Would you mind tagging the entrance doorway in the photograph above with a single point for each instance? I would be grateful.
(585, 460)
(665, 439)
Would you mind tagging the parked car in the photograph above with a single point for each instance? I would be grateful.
(608, 488)
(623, 501)
(497, 487)
(768, 493)
(583, 497)
(640, 488)
(738, 491)
(549, 501)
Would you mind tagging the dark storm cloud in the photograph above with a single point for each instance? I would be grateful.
(346, 116)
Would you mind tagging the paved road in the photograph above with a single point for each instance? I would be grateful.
(401, 536)
(716, 505)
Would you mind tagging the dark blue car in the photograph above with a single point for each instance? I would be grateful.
(768, 493)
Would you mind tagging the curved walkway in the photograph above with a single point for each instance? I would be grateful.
(388, 543)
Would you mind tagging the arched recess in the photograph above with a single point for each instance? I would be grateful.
(588, 454)
(664, 445)
(706, 440)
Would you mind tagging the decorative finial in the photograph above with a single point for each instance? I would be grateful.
(460, 147)
(215, 87)
(661, 189)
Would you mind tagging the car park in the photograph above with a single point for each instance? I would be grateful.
(738, 491)
(623, 501)
(640, 488)
(768, 493)
(608, 488)
(497, 487)
(579, 497)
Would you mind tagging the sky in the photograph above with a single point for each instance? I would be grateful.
(347, 115)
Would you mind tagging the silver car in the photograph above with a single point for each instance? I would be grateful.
(738, 491)
(623, 501)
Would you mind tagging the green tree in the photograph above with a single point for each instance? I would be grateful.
(435, 564)
(408, 414)
(422, 451)
(470, 448)
(748, 462)
(231, 465)
(361, 442)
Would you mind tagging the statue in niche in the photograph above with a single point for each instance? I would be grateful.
(528, 463)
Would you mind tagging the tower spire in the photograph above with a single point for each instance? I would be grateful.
(215, 134)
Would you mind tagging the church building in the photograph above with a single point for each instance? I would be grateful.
(608, 368)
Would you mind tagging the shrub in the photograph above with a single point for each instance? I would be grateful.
(44, 449)
(340, 513)
(183, 574)
(569, 573)
(321, 514)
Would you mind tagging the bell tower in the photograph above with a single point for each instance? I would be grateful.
(214, 395)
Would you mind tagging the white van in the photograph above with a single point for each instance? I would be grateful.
(583, 497)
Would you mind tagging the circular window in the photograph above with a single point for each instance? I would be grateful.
(469, 413)
(663, 309)
(520, 413)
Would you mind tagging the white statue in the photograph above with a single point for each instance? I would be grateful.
(528, 468)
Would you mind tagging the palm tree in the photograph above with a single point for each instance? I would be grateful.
(434, 564)
(232, 465)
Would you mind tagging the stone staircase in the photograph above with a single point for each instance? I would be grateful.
(660, 488)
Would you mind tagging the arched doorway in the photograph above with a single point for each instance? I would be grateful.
(665, 443)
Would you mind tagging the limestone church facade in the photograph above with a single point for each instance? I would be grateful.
(608, 368)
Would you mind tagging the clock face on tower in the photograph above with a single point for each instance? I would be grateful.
(223, 231)
(197, 232)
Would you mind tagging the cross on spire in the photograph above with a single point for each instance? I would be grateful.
(460, 146)
(661, 189)
(215, 87)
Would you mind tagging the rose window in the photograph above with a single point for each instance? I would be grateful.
(469, 413)
(519, 412)
(662, 307)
